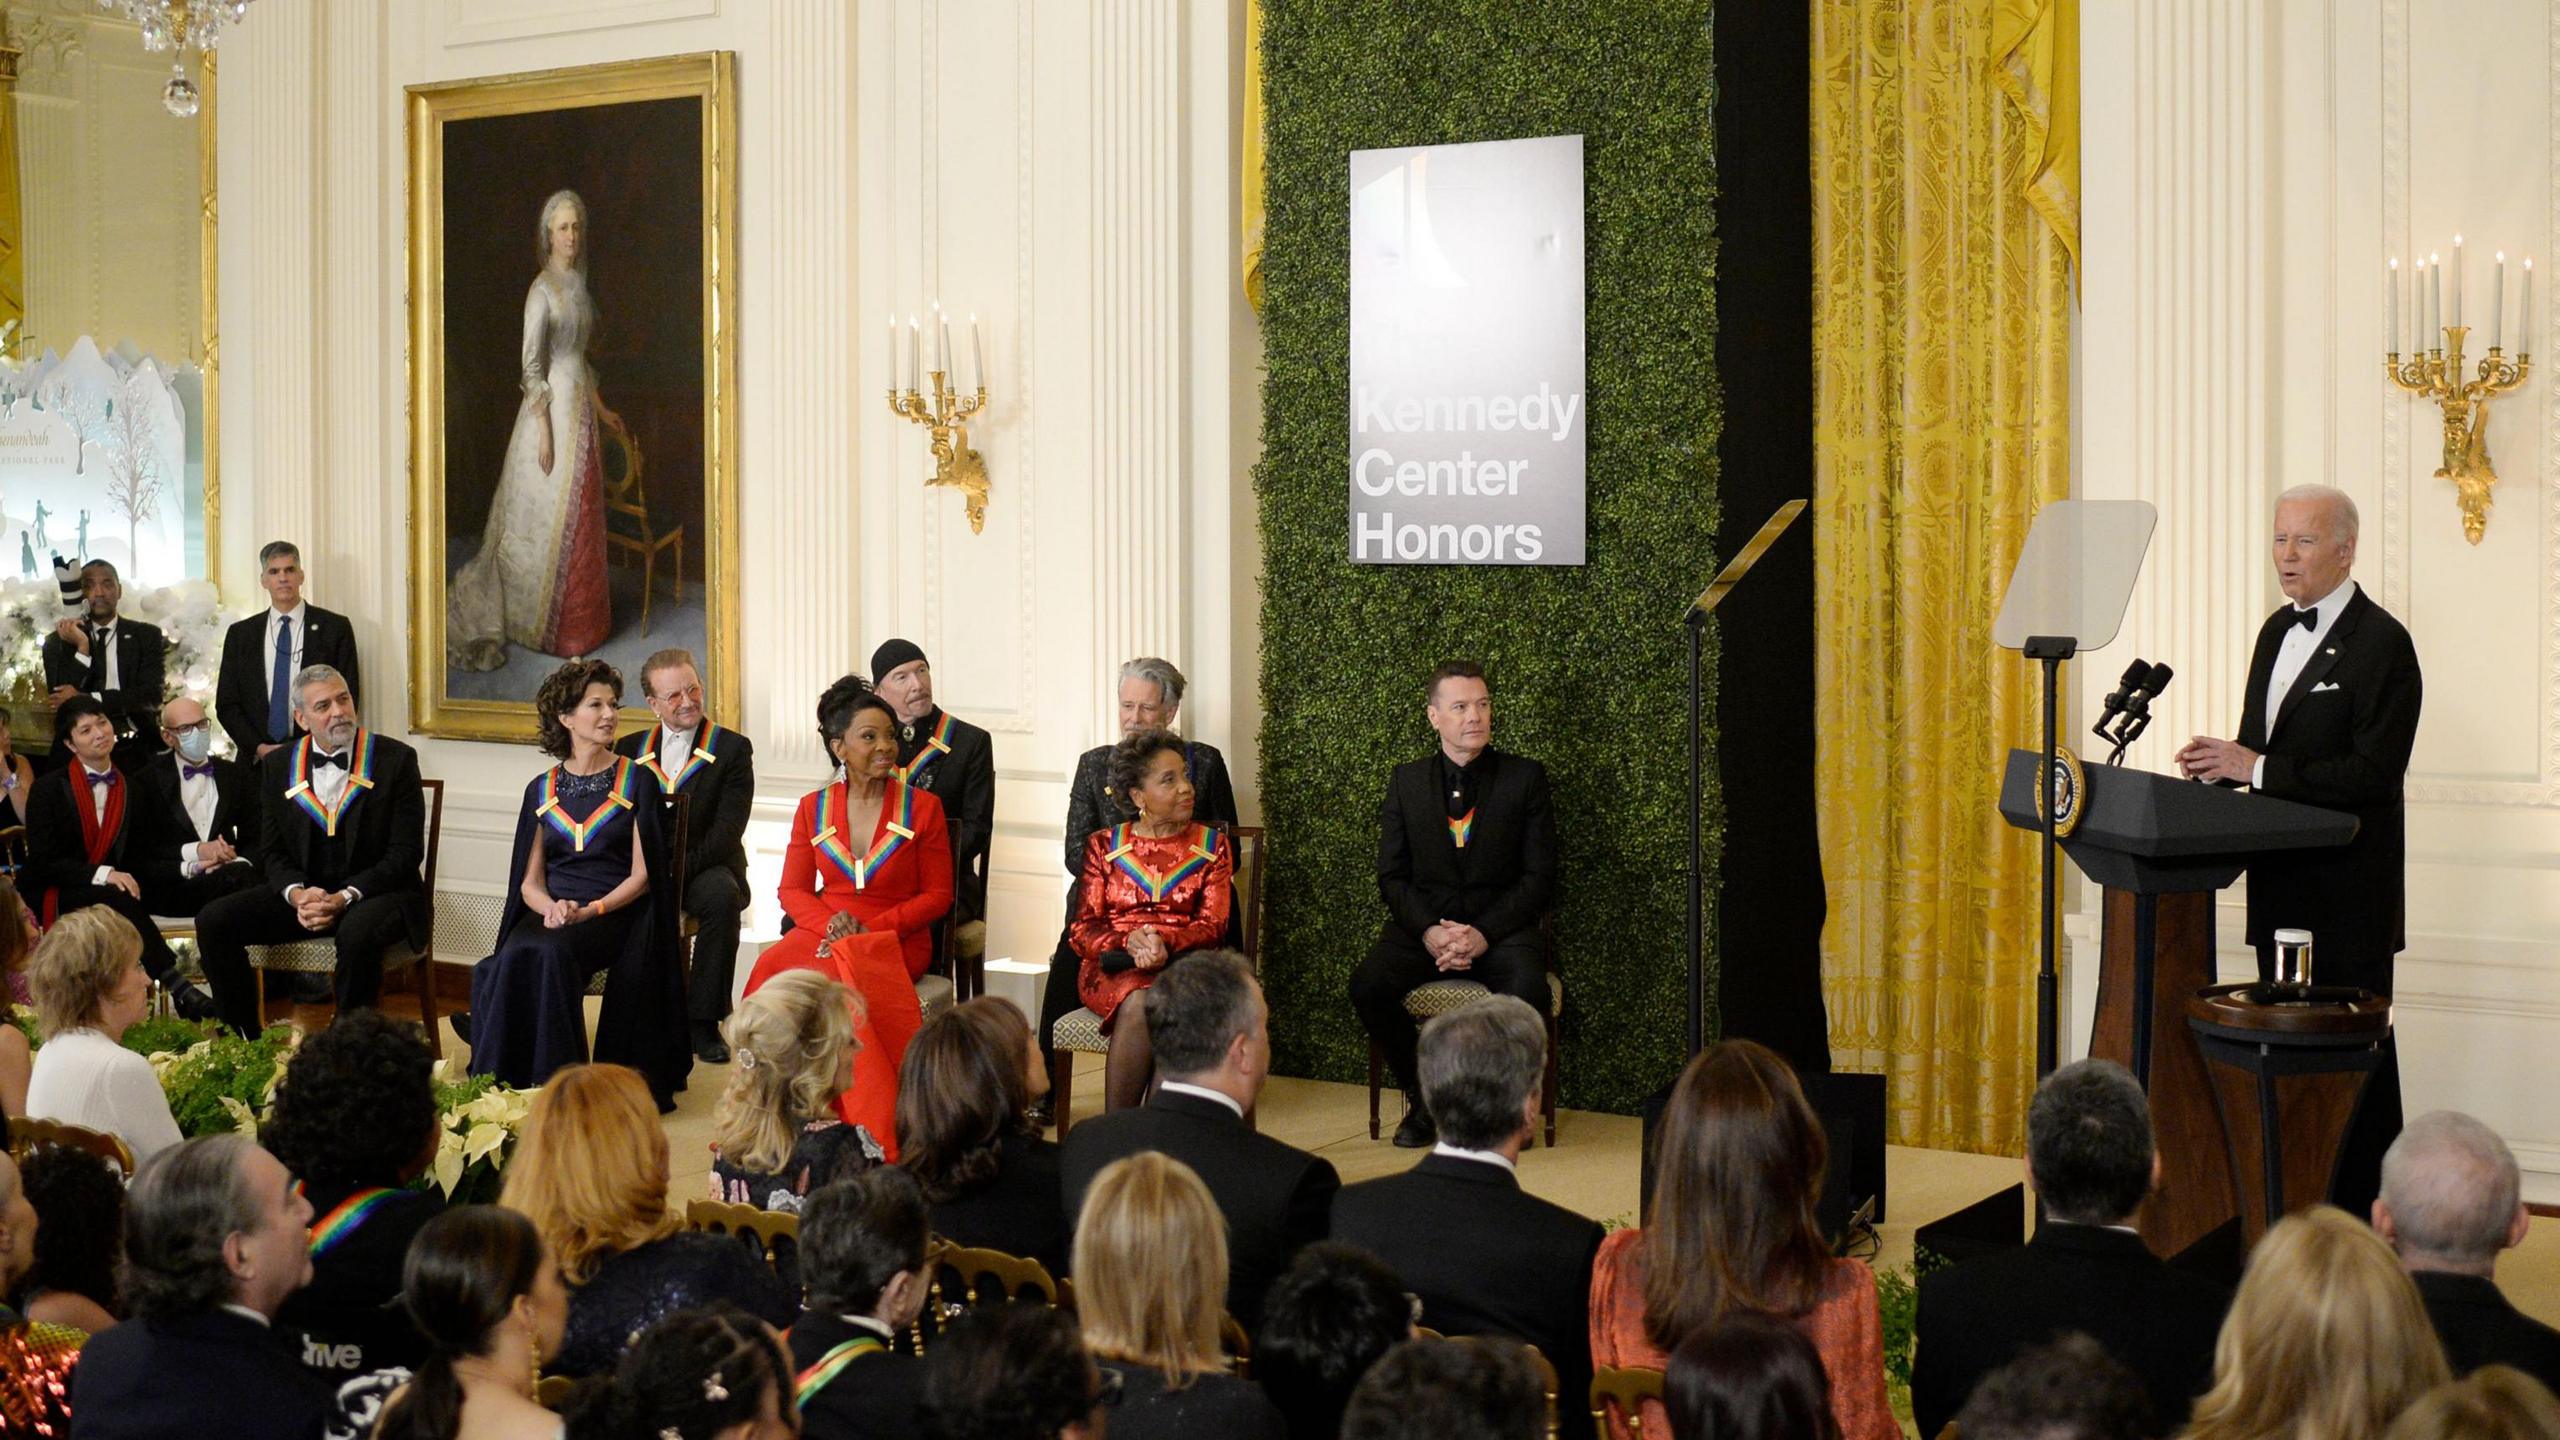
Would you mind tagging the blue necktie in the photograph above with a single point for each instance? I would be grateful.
(280, 693)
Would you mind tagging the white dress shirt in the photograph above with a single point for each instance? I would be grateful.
(201, 799)
(328, 782)
(1488, 1157)
(2293, 653)
(1203, 1092)
(300, 615)
(674, 749)
(103, 642)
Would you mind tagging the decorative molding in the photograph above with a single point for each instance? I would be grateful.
(485, 22)
(2395, 240)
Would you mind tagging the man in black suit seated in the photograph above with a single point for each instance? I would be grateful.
(342, 830)
(2091, 1160)
(1150, 699)
(716, 769)
(118, 662)
(2328, 719)
(2451, 1200)
(1212, 1038)
(1467, 866)
(195, 818)
(1486, 1257)
(82, 845)
(862, 1245)
(216, 1236)
(947, 758)
(253, 692)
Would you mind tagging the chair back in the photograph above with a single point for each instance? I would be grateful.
(27, 1136)
(618, 456)
(775, 1234)
(1624, 1390)
(1252, 846)
(435, 841)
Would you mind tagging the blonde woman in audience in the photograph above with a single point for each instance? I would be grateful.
(2326, 1339)
(2494, 1402)
(591, 1174)
(1151, 1268)
(778, 1135)
(89, 990)
(18, 937)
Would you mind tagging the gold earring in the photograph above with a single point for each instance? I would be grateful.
(533, 1367)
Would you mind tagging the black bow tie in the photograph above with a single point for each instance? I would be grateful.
(190, 772)
(322, 760)
(102, 777)
(2307, 619)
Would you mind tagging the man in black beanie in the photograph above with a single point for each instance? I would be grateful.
(948, 758)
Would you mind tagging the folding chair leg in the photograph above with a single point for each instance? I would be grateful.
(1374, 1063)
(1062, 1087)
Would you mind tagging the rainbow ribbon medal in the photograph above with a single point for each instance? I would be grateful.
(898, 826)
(1204, 848)
(331, 1230)
(700, 757)
(359, 780)
(1462, 828)
(579, 832)
(936, 745)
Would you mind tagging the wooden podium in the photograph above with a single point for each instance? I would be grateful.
(2161, 847)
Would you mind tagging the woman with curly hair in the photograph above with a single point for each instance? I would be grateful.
(867, 872)
(578, 901)
(777, 1132)
(355, 1121)
(80, 1200)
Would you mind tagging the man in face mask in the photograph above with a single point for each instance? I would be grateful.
(195, 818)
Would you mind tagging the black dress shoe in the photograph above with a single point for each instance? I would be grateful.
(709, 1048)
(1417, 1132)
(192, 1003)
(460, 1020)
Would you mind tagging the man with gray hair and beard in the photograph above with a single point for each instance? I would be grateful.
(2451, 1200)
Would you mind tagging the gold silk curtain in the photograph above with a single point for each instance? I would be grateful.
(1945, 140)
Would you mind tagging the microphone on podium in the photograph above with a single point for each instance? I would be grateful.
(2134, 676)
(2135, 715)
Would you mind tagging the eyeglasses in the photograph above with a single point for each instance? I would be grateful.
(198, 728)
(1107, 1386)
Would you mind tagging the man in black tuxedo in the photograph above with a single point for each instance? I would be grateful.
(716, 770)
(1212, 1038)
(195, 818)
(2329, 718)
(2091, 1159)
(2451, 1200)
(1486, 1257)
(1150, 699)
(343, 833)
(82, 849)
(120, 663)
(862, 1244)
(948, 758)
(253, 696)
(216, 1236)
(1467, 866)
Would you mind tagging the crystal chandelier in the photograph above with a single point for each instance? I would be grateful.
(180, 26)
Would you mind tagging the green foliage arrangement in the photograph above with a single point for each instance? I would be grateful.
(220, 1083)
(1588, 665)
(1898, 1301)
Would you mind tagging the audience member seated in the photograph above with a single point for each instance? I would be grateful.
(89, 990)
(591, 1173)
(17, 781)
(1449, 1390)
(2326, 1337)
(114, 659)
(716, 1373)
(342, 831)
(82, 851)
(1487, 1257)
(1151, 1269)
(1015, 1372)
(2494, 1402)
(216, 1237)
(1212, 1039)
(79, 1199)
(1152, 891)
(1740, 1162)
(1323, 1325)
(488, 1305)
(195, 818)
(17, 948)
(945, 757)
(36, 1358)
(866, 873)
(2451, 1200)
(778, 1135)
(963, 1132)
(2066, 1389)
(1744, 1377)
(355, 1121)
(1467, 867)
(862, 1244)
(2090, 1156)
(578, 901)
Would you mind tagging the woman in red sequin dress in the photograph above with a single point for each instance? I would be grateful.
(1151, 891)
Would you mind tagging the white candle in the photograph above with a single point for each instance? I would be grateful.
(2498, 303)
(977, 355)
(915, 367)
(2390, 300)
(2457, 281)
(2435, 303)
(2524, 312)
(942, 345)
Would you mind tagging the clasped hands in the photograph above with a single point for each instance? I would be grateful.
(1454, 945)
(842, 925)
(317, 909)
(1146, 948)
(2205, 758)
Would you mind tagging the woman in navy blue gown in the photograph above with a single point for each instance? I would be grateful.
(578, 901)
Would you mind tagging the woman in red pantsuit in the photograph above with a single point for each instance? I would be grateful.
(867, 873)
(1151, 891)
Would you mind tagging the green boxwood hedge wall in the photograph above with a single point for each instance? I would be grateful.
(1588, 665)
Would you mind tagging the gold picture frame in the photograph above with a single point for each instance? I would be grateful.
(553, 455)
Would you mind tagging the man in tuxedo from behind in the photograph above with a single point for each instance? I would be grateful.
(1467, 867)
(118, 662)
(2451, 1200)
(2091, 1159)
(253, 695)
(1212, 1036)
(715, 768)
(1485, 1256)
(2328, 719)
(342, 828)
